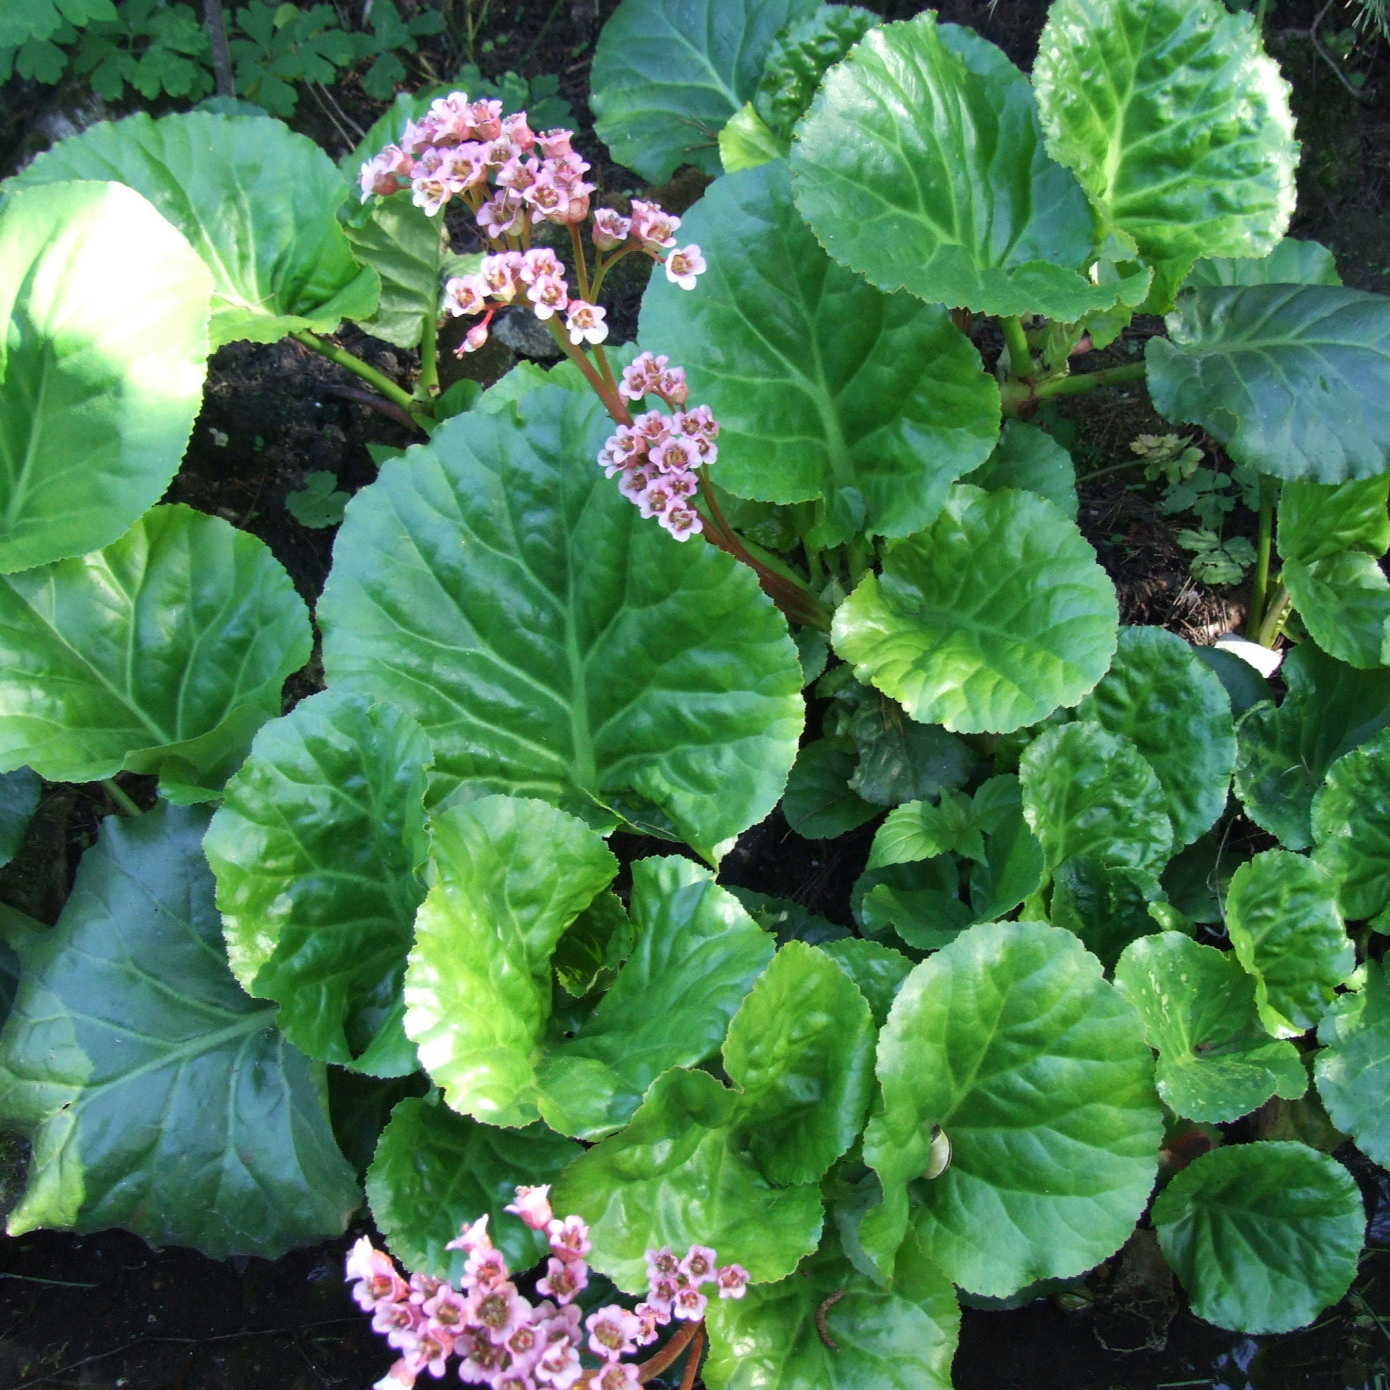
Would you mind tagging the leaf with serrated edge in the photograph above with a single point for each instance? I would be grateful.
(401, 242)
(157, 1095)
(1263, 1236)
(877, 970)
(1351, 829)
(1029, 458)
(1344, 602)
(1353, 1066)
(1292, 262)
(1318, 520)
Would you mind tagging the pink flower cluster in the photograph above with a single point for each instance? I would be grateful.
(503, 1340)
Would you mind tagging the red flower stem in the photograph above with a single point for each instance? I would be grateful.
(697, 1345)
(603, 363)
(605, 266)
(581, 265)
(670, 1352)
(612, 401)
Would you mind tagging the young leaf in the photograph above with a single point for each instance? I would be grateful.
(1014, 862)
(1037, 1072)
(1353, 1065)
(1106, 905)
(877, 970)
(95, 408)
(435, 1171)
(668, 74)
(1351, 827)
(257, 202)
(402, 243)
(1263, 1236)
(1344, 602)
(318, 503)
(1215, 1062)
(746, 142)
(920, 830)
(157, 1095)
(1176, 123)
(1292, 262)
(1282, 917)
(799, 57)
(918, 900)
(218, 626)
(824, 386)
(1293, 380)
(988, 620)
(818, 803)
(315, 852)
(1318, 521)
(1160, 697)
(900, 759)
(495, 586)
(1032, 460)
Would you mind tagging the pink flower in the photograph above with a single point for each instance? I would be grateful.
(526, 1344)
(613, 1332)
(399, 1377)
(682, 523)
(532, 1205)
(446, 1310)
(424, 1287)
(651, 1317)
(616, 1375)
(548, 294)
(486, 1269)
(690, 1302)
(563, 1279)
(514, 1379)
(518, 132)
(500, 214)
(428, 1350)
(502, 274)
(675, 454)
(671, 387)
(732, 1281)
(499, 1310)
(653, 226)
(418, 136)
(577, 208)
(539, 261)
(653, 426)
(377, 1279)
(546, 198)
(396, 1321)
(379, 174)
(471, 1238)
(555, 144)
(610, 229)
(429, 193)
(662, 1264)
(632, 485)
(486, 119)
(464, 168)
(482, 1360)
(684, 265)
(465, 294)
(698, 1265)
(585, 322)
(559, 1365)
(661, 1291)
(699, 421)
(473, 339)
(622, 450)
(518, 174)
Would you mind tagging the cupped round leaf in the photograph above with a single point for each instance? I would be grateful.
(988, 620)
(1344, 602)
(95, 406)
(258, 203)
(213, 622)
(1160, 697)
(897, 1338)
(1263, 1236)
(1353, 1065)
(1174, 120)
(1282, 918)
(510, 876)
(1029, 459)
(674, 1177)
(921, 165)
(1088, 792)
(1292, 262)
(436, 1171)
(157, 1095)
(1351, 827)
(1317, 521)
(818, 802)
(824, 386)
(1293, 380)
(1106, 905)
(550, 642)
(315, 851)
(1036, 1070)
(1215, 1062)
(668, 75)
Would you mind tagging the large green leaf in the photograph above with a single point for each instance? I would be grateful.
(1263, 1236)
(435, 1171)
(1029, 458)
(1318, 521)
(1088, 792)
(1037, 1072)
(1174, 120)
(668, 74)
(1284, 752)
(162, 653)
(1292, 379)
(550, 642)
(258, 203)
(315, 852)
(158, 1097)
(1282, 918)
(897, 1338)
(509, 876)
(1351, 827)
(921, 165)
(1344, 602)
(95, 407)
(988, 620)
(824, 386)
(1292, 262)
(878, 971)
(673, 1177)
(1353, 1065)
(1215, 1062)
(403, 244)
(1174, 710)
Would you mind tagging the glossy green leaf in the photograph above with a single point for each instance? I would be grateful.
(1215, 1062)
(1292, 379)
(668, 74)
(257, 202)
(799, 57)
(1014, 862)
(673, 1177)
(1088, 792)
(1353, 1065)
(801, 1048)
(1174, 120)
(598, 941)
(315, 852)
(1344, 602)
(1106, 905)
(921, 830)
(1030, 459)
(920, 901)
(988, 620)
(1263, 1236)
(20, 791)
(818, 802)
(1282, 918)
(95, 408)
(436, 1171)
(1351, 828)
(218, 627)
(1292, 262)
(1318, 521)
(509, 876)
(877, 970)
(902, 760)
(550, 642)
(824, 387)
(1037, 1071)
(746, 142)
(1245, 687)
(157, 1096)
(1160, 697)
(1284, 752)
(921, 165)
(897, 1338)
(401, 242)
(697, 955)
